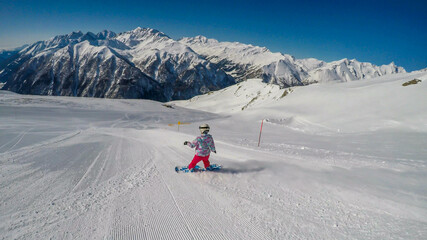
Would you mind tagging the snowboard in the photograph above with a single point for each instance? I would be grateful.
(211, 168)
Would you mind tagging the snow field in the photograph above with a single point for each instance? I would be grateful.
(82, 168)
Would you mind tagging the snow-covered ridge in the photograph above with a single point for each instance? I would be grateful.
(233, 51)
(349, 70)
(142, 35)
(244, 61)
(282, 69)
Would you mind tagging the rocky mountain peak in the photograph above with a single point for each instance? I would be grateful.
(144, 33)
(74, 35)
(106, 34)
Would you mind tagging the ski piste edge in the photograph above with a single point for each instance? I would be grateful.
(212, 168)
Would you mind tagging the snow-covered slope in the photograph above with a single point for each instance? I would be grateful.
(376, 104)
(336, 161)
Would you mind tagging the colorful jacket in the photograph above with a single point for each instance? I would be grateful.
(204, 144)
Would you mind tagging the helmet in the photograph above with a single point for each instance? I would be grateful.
(204, 128)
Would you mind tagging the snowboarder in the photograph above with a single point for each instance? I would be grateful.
(204, 144)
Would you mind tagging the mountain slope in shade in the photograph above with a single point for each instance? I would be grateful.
(78, 64)
(143, 63)
(6, 55)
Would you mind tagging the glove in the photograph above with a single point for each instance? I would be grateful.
(186, 142)
(214, 151)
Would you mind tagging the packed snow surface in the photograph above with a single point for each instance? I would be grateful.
(336, 161)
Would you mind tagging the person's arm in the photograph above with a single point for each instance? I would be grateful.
(212, 145)
(192, 144)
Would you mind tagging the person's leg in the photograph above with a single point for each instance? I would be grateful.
(193, 163)
(206, 161)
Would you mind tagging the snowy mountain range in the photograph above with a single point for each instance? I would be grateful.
(243, 61)
(142, 63)
(146, 63)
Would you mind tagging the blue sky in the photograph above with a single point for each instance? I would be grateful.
(371, 31)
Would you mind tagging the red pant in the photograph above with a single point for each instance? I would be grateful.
(197, 159)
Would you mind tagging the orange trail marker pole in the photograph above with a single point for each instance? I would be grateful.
(260, 131)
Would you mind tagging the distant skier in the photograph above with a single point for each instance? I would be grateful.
(204, 144)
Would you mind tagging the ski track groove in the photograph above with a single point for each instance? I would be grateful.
(20, 136)
(102, 169)
(87, 171)
(10, 141)
(20, 139)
